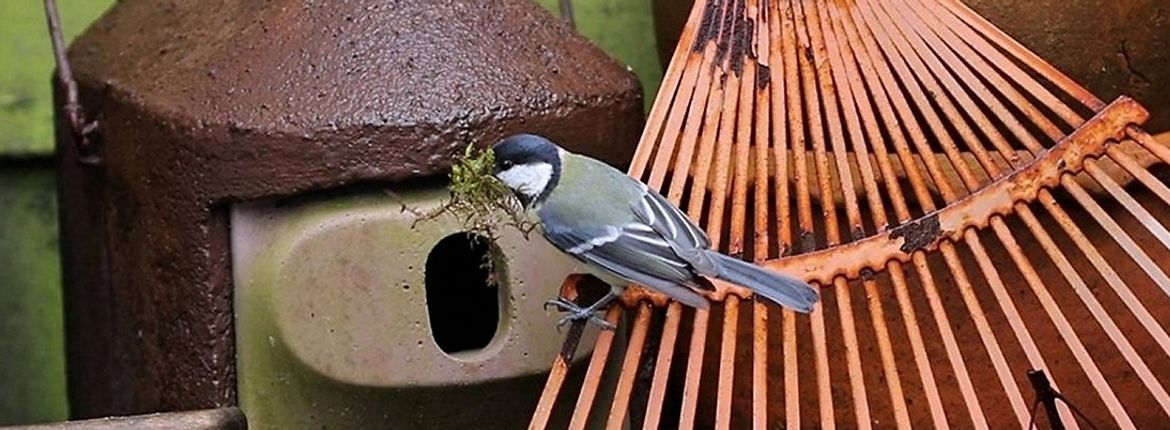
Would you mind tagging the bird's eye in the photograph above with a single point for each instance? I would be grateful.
(507, 164)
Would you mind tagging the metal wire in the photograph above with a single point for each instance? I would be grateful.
(82, 128)
(969, 212)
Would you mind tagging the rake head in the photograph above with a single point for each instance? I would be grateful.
(969, 213)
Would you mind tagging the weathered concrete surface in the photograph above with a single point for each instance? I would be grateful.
(336, 320)
(203, 104)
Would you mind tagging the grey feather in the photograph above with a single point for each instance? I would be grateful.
(785, 290)
(635, 253)
(691, 244)
(686, 240)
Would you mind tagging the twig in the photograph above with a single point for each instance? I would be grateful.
(81, 127)
(418, 215)
(567, 12)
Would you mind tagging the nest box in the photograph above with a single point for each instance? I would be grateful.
(231, 244)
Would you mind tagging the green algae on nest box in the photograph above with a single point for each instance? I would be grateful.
(349, 314)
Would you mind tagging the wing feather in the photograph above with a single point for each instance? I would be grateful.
(686, 239)
(634, 252)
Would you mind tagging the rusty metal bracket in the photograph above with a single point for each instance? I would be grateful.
(974, 211)
(83, 129)
(872, 254)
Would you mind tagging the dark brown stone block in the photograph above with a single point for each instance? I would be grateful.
(203, 104)
(1112, 47)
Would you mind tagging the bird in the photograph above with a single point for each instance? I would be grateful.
(624, 232)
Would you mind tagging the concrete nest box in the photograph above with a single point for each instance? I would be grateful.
(232, 244)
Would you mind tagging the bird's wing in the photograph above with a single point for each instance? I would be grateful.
(685, 239)
(691, 245)
(635, 252)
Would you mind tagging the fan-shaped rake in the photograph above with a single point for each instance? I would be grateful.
(969, 213)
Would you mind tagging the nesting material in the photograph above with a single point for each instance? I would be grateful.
(480, 202)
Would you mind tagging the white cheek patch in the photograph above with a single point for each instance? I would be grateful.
(528, 179)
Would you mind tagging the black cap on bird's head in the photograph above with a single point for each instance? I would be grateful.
(529, 165)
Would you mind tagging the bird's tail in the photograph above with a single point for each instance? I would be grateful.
(784, 290)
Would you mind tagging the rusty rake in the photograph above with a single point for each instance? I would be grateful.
(969, 213)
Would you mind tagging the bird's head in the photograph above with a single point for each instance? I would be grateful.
(529, 165)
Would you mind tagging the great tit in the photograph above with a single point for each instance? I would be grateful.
(623, 231)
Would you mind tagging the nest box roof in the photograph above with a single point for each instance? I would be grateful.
(418, 78)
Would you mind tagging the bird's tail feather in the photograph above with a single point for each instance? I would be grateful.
(784, 290)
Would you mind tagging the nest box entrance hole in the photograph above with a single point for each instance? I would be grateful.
(463, 277)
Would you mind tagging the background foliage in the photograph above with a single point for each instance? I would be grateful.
(32, 363)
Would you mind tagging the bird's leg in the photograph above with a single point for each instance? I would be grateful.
(587, 313)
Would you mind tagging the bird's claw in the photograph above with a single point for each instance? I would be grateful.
(577, 313)
(561, 304)
(591, 318)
